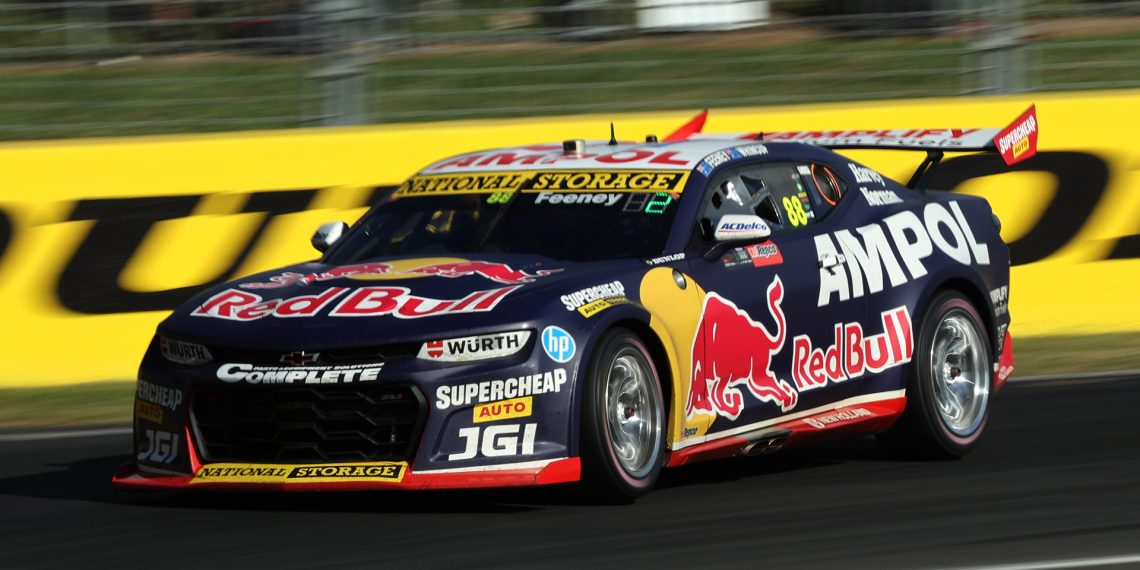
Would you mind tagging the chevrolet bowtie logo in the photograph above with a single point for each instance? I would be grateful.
(299, 358)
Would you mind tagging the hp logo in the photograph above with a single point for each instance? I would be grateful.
(558, 343)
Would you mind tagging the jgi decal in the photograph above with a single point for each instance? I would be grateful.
(820, 422)
(495, 390)
(731, 350)
(237, 305)
(865, 258)
(169, 398)
(496, 441)
(1000, 298)
(591, 300)
(853, 353)
(161, 447)
(236, 372)
(470, 348)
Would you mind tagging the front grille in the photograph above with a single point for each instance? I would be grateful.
(307, 424)
(341, 356)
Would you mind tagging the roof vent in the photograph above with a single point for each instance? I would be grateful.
(651, 138)
(573, 146)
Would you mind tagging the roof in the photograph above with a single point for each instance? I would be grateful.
(683, 155)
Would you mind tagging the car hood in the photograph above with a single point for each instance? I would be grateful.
(316, 305)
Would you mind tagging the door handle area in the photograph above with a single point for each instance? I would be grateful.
(829, 260)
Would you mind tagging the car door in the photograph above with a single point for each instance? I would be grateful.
(767, 350)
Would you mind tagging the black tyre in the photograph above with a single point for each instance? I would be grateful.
(623, 419)
(951, 381)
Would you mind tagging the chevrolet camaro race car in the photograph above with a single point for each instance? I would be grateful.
(597, 312)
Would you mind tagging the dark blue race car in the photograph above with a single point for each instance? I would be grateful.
(596, 312)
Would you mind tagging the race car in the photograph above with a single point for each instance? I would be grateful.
(595, 312)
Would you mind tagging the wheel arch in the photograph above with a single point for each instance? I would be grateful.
(976, 297)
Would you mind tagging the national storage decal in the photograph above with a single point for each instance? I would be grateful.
(100, 239)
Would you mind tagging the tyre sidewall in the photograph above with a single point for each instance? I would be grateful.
(601, 468)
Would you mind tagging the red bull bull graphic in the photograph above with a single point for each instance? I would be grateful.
(497, 272)
(731, 349)
(853, 353)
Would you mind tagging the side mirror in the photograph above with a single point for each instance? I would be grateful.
(328, 234)
(736, 228)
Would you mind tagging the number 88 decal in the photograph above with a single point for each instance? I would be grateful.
(795, 209)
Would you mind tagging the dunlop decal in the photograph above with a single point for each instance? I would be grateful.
(275, 474)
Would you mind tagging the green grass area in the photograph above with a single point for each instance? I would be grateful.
(220, 91)
(110, 402)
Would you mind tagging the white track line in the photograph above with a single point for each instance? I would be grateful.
(1081, 376)
(64, 434)
(1051, 564)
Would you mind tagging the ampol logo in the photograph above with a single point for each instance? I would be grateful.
(558, 344)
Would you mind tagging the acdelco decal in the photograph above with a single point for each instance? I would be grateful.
(235, 305)
(279, 474)
(495, 390)
(853, 353)
(504, 410)
(864, 260)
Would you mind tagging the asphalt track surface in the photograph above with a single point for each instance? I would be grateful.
(1057, 477)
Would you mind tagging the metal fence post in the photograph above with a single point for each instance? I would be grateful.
(1001, 48)
(340, 70)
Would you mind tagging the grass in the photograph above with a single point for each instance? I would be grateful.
(223, 91)
(110, 402)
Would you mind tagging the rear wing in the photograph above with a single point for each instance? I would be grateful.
(1015, 143)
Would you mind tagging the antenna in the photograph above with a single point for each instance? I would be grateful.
(613, 139)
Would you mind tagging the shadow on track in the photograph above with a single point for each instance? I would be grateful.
(89, 480)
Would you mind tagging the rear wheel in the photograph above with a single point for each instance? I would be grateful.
(948, 394)
(623, 419)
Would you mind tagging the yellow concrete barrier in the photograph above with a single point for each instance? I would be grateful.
(99, 239)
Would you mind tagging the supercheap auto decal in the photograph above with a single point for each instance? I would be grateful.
(95, 253)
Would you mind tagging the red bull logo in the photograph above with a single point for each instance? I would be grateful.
(731, 350)
(497, 272)
(853, 353)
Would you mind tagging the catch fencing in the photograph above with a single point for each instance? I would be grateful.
(76, 68)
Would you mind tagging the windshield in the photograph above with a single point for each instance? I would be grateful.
(572, 216)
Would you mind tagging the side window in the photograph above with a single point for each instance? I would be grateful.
(777, 192)
(825, 188)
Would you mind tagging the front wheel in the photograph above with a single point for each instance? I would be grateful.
(623, 419)
(948, 394)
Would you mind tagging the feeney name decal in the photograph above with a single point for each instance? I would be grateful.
(235, 305)
(853, 354)
(277, 474)
(915, 239)
(730, 349)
